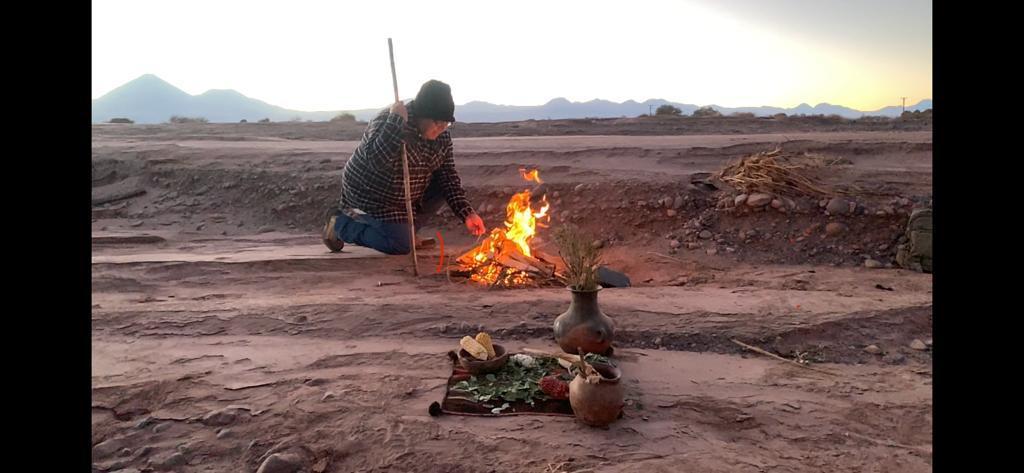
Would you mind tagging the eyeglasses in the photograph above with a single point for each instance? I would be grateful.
(443, 123)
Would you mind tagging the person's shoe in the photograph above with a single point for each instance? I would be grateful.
(330, 240)
(424, 243)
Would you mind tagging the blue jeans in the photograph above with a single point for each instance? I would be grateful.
(390, 238)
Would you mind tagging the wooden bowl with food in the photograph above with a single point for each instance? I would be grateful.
(480, 356)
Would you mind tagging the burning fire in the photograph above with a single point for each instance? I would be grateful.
(520, 227)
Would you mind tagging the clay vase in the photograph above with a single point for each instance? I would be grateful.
(584, 325)
(601, 403)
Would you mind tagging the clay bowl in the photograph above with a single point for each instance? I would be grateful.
(475, 366)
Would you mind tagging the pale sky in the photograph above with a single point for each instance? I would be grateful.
(332, 55)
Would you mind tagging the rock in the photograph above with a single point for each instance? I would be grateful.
(200, 226)
(170, 461)
(641, 203)
(838, 206)
(674, 244)
(598, 244)
(124, 452)
(670, 213)
(108, 447)
(740, 200)
(222, 433)
(834, 228)
(873, 349)
(759, 200)
(705, 235)
(776, 204)
(730, 249)
(610, 278)
(145, 422)
(692, 245)
(918, 345)
(161, 427)
(928, 342)
(822, 203)
(137, 223)
(265, 229)
(328, 395)
(916, 254)
(579, 187)
(873, 264)
(556, 194)
(282, 463)
(115, 465)
(895, 358)
(904, 201)
(853, 208)
(712, 251)
(677, 202)
(220, 417)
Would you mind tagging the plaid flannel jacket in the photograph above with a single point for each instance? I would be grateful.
(372, 178)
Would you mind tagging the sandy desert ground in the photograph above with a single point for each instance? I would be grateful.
(223, 331)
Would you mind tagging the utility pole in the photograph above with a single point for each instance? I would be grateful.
(904, 104)
(650, 109)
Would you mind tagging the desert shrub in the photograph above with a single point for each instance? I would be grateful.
(668, 110)
(706, 112)
(179, 119)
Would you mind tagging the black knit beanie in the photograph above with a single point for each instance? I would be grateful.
(434, 101)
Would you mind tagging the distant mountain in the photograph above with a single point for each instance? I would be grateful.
(895, 111)
(149, 99)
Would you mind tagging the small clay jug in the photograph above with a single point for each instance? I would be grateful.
(598, 404)
(584, 326)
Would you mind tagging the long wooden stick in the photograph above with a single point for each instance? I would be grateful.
(777, 357)
(405, 174)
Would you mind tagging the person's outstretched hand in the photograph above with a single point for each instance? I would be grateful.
(475, 224)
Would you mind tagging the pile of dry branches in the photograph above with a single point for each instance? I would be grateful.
(773, 172)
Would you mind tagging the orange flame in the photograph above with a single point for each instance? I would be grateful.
(520, 228)
(531, 176)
